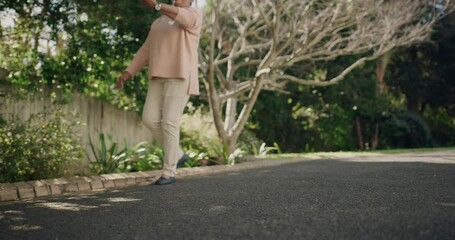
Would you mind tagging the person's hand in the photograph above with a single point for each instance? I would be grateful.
(125, 76)
(149, 3)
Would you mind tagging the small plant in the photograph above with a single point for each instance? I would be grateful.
(107, 158)
(38, 147)
(234, 157)
(264, 150)
(222, 156)
(195, 159)
(143, 157)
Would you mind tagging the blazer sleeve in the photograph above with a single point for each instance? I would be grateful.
(141, 58)
(189, 18)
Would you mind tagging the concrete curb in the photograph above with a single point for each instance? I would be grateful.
(60, 186)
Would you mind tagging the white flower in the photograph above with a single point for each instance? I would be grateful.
(83, 17)
(192, 154)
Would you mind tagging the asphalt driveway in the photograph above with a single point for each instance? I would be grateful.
(317, 199)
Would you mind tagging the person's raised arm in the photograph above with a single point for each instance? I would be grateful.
(166, 9)
(187, 18)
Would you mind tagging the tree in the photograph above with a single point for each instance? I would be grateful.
(253, 45)
(74, 45)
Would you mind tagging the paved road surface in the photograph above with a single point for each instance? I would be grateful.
(320, 199)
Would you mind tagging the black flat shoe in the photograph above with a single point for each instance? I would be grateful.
(182, 160)
(164, 181)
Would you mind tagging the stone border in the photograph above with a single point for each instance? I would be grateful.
(59, 186)
(53, 187)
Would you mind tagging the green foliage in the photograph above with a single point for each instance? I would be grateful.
(442, 126)
(198, 133)
(334, 125)
(264, 150)
(222, 156)
(195, 159)
(406, 130)
(272, 121)
(424, 73)
(88, 48)
(107, 159)
(248, 142)
(37, 148)
(143, 157)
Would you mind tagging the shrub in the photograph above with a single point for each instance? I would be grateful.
(143, 157)
(107, 159)
(442, 126)
(198, 132)
(199, 135)
(37, 148)
(406, 130)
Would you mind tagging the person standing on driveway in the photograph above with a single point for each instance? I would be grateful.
(170, 51)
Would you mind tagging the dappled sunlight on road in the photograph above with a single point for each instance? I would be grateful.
(65, 206)
(71, 206)
(17, 221)
(446, 204)
(122, 199)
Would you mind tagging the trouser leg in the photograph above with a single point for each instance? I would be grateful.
(166, 100)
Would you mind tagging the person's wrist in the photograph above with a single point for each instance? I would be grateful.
(153, 3)
(126, 75)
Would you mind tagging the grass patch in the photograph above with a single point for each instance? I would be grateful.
(413, 150)
(334, 155)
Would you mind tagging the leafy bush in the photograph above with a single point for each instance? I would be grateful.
(442, 126)
(107, 159)
(248, 142)
(264, 150)
(37, 148)
(198, 133)
(196, 159)
(143, 157)
(406, 130)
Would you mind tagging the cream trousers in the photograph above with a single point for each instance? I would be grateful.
(163, 109)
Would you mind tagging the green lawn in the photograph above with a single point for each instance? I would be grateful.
(354, 153)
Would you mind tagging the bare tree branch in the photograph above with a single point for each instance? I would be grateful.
(281, 34)
(332, 81)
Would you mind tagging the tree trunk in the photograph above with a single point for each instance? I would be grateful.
(231, 114)
(381, 68)
(375, 140)
(230, 143)
(359, 133)
(230, 136)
